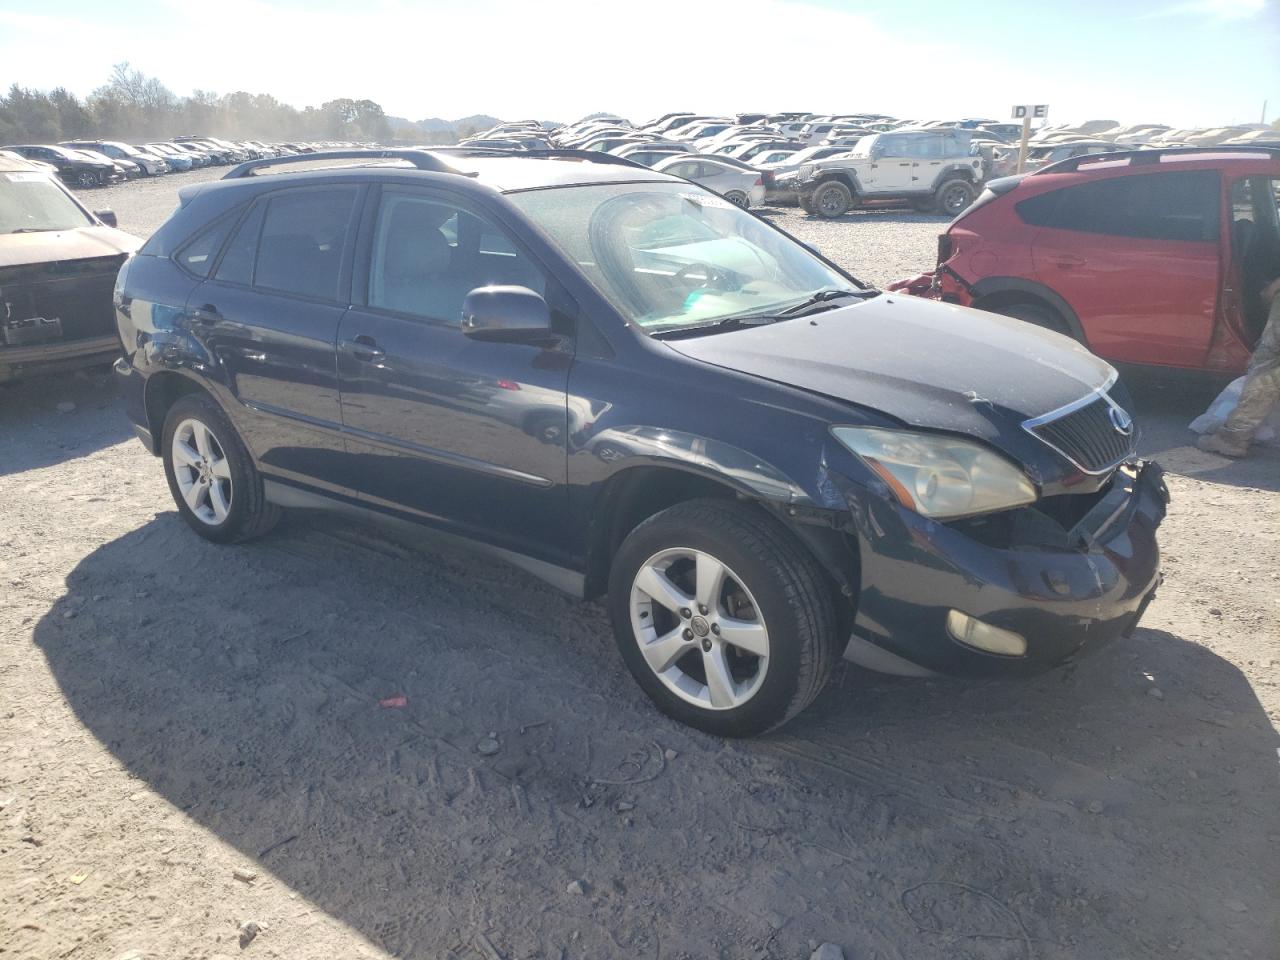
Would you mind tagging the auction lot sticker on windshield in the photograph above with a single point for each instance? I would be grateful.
(707, 200)
(24, 177)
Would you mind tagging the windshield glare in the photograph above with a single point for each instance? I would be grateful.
(669, 255)
(33, 202)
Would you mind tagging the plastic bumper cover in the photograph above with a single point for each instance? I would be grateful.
(1063, 601)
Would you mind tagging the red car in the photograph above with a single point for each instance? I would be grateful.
(1150, 257)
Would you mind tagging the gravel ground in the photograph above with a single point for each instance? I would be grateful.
(191, 738)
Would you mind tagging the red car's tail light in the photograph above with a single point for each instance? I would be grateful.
(946, 248)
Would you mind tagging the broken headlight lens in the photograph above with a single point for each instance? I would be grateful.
(939, 477)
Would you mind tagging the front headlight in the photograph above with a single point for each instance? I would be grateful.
(937, 476)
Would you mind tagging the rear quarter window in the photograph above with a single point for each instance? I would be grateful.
(197, 256)
(1177, 206)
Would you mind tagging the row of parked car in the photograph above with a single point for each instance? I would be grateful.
(96, 163)
(831, 163)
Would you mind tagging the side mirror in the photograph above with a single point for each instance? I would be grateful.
(106, 216)
(502, 314)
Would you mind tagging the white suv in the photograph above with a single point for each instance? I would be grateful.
(934, 169)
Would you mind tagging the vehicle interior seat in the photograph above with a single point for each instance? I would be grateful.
(416, 260)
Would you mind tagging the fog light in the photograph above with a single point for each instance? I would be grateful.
(972, 632)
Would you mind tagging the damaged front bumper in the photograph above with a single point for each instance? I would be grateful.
(1024, 575)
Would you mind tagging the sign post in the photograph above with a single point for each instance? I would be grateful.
(1026, 114)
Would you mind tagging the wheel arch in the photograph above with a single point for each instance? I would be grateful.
(637, 492)
(959, 171)
(847, 177)
(162, 390)
(991, 292)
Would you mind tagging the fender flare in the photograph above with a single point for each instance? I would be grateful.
(848, 177)
(964, 170)
(1031, 290)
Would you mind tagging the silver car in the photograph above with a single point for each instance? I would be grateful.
(743, 187)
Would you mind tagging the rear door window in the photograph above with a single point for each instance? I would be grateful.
(1179, 206)
(304, 233)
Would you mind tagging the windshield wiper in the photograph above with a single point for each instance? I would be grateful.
(800, 309)
(717, 326)
(34, 230)
(822, 296)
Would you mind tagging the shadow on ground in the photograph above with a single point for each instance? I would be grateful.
(30, 408)
(1076, 815)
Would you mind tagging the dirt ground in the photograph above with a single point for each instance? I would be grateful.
(173, 712)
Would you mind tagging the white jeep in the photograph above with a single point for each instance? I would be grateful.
(935, 169)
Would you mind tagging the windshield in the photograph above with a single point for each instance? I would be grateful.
(31, 202)
(863, 147)
(669, 255)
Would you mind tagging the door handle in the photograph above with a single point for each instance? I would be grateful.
(1066, 260)
(364, 347)
(207, 315)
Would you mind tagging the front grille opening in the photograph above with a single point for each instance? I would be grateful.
(1088, 436)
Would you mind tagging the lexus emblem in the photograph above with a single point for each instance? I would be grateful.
(1121, 420)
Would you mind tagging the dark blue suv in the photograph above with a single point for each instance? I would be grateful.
(627, 385)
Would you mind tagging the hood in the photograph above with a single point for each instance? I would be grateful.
(928, 364)
(82, 243)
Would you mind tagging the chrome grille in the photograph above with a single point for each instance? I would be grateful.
(1090, 433)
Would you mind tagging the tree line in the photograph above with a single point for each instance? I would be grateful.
(133, 107)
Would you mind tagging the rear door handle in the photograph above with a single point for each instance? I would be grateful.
(364, 348)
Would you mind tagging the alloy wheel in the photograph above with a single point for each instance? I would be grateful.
(699, 628)
(203, 472)
(88, 178)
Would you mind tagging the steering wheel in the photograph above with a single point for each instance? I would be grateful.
(715, 278)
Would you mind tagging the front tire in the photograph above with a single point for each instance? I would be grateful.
(722, 617)
(212, 478)
(832, 199)
(87, 178)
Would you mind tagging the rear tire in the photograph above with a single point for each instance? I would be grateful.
(954, 197)
(832, 199)
(765, 639)
(738, 199)
(214, 482)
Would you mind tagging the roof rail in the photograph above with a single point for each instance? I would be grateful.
(422, 159)
(554, 153)
(1144, 157)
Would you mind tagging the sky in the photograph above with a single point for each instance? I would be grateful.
(1179, 62)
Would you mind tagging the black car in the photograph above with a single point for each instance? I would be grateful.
(625, 384)
(58, 263)
(73, 167)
